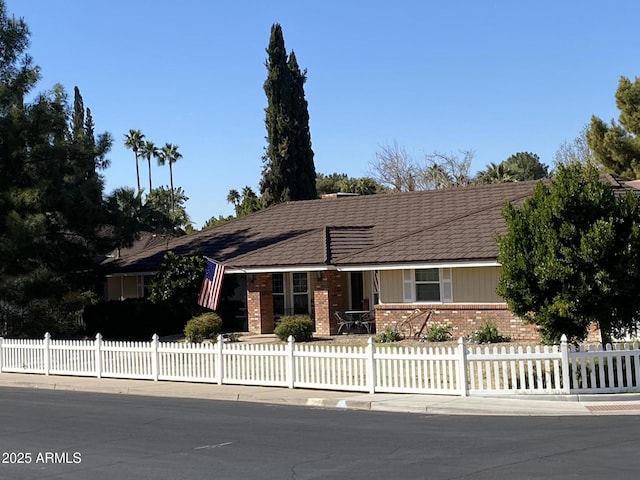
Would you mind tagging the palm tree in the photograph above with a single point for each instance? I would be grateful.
(493, 173)
(134, 140)
(438, 177)
(149, 150)
(169, 153)
(234, 198)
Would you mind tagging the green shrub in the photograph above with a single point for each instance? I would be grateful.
(389, 336)
(488, 333)
(299, 327)
(232, 337)
(203, 327)
(438, 333)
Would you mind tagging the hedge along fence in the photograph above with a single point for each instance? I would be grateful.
(459, 370)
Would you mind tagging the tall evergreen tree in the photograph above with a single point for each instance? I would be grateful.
(77, 118)
(288, 172)
(617, 146)
(51, 208)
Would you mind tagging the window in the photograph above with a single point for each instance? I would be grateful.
(427, 285)
(277, 280)
(290, 293)
(300, 293)
(144, 285)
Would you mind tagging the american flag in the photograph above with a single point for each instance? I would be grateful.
(376, 282)
(211, 285)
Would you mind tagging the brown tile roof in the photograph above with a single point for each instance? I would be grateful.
(450, 225)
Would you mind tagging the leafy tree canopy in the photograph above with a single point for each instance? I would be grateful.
(341, 182)
(526, 166)
(213, 221)
(520, 167)
(178, 282)
(168, 211)
(571, 256)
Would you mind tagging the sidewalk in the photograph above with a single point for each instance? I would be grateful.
(620, 404)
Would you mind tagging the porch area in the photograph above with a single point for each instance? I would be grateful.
(325, 296)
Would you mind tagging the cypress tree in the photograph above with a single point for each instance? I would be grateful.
(289, 172)
(77, 119)
(305, 172)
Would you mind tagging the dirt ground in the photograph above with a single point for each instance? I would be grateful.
(361, 340)
(346, 340)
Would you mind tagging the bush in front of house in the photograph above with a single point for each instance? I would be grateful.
(438, 333)
(299, 327)
(488, 333)
(389, 336)
(203, 327)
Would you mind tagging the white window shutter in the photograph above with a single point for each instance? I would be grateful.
(407, 286)
(446, 285)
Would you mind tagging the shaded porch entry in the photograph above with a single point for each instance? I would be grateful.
(359, 299)
(319, 294)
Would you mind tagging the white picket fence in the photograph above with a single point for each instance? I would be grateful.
(459, 370)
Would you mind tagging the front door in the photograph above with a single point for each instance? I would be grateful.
(357, 292)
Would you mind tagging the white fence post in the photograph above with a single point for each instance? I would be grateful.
(291, 365)
(219, 359)
(566, 378)
(155, 357)
(47, 359)
(1, 354)
(462, 368)
(98, 357)
(371, 365)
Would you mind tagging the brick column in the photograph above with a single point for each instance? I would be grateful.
(260, 303)
(328, 298)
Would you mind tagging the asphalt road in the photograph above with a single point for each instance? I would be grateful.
(71, 435)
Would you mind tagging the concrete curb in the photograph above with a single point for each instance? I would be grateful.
(514, 405)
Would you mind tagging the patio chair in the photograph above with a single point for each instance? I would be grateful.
(344, 322)
(366, 320)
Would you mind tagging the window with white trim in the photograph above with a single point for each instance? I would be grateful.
(277, 282)
(290, 293)
(300, 283)
(427, 285)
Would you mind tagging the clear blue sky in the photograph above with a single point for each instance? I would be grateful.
(496, 77)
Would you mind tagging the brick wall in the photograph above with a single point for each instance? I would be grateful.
(260, 303)
(463, 319)
(329, 296)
